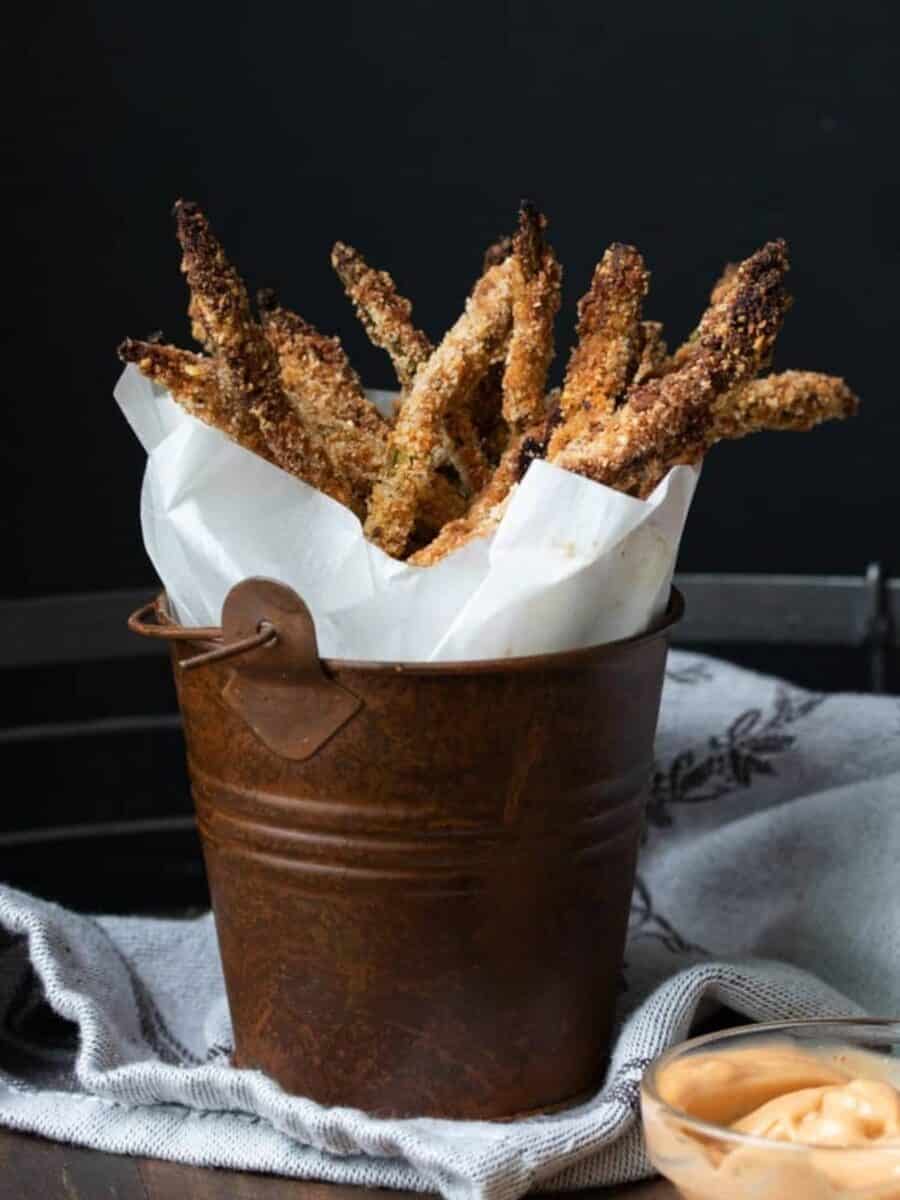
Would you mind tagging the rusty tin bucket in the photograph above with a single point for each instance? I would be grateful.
(421, 873)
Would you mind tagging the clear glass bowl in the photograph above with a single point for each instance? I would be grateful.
(708, 1160)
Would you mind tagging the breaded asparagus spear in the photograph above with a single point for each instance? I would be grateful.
(666, 420)
(387, 318)
(328, 396)
(487, 508)
(447, 379)
(794, 401)
(609, 346)
(250, 371)
(385, 314)
(536, 281)
(194, 381)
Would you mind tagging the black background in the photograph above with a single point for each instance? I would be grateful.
(411, 130)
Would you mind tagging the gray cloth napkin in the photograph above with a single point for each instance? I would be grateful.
(767, 883)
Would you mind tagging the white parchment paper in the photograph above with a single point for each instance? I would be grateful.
(572, 563)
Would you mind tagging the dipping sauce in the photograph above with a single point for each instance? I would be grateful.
(825, 1123)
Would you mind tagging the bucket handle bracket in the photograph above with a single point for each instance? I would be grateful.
(277, 683)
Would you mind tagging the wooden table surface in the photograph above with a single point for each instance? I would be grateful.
(32, 1168)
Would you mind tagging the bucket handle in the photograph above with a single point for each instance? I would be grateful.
(279, 687)
(137, 623)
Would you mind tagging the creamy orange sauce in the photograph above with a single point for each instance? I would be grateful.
(839, 1109)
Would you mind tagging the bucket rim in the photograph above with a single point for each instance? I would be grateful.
(555, 660)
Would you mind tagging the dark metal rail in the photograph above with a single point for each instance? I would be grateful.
(95, 831)
(98, 727)
(810, 610)
(806, 610)
(861, 612)
(799, 610)
(58, 630)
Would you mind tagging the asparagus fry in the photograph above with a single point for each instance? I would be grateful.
(387, 318)
(720, 292)
(328, 396)
(486, 510)
(446, 380)
(608, 350)
(536, 279)
(385, 314)
(250, 371)
(792, 401)
(195, 383)
(666, 420)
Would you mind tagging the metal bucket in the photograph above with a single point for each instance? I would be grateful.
(421, 873)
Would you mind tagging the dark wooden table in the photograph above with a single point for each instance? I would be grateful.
(34, 1169)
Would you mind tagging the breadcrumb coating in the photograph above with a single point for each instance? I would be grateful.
(195, 383)
(793, 401)
(536, 281)
(609, 346)
(250, 369)
(487, 508)
(654, 354)
(387, 318)
(385, 314)
(461, 446)
(328, 396)
(440, 504)
(198, 330)
(486, 405)
(719, 294)
(446, 380)
(722, 286)
(666, 420)
(498, 252)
